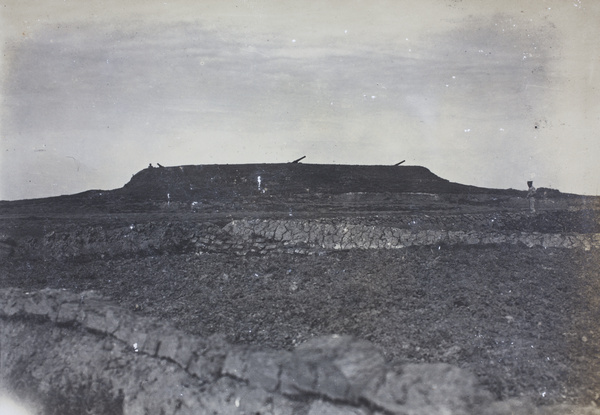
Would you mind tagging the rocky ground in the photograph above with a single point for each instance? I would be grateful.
(468, 279)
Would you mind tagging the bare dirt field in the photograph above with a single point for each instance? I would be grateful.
(426, 270)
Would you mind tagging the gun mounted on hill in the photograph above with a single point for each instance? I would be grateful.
(298, 160)
(399, 163)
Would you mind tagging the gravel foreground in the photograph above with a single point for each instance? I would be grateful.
(78, 353)
(522, 320)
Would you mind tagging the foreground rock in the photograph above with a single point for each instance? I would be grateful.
(68, 353)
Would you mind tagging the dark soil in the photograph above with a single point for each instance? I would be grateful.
(524, 320)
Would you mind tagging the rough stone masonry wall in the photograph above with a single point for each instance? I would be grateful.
(340, 235)
(297, 236)
(67, 353)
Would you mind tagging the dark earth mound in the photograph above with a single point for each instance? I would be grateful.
(230, 184)
(470, 277)
(218, 181)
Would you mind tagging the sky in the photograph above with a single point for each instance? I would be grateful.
(481, 92)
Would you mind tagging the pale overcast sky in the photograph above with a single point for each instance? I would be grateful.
(481, 92)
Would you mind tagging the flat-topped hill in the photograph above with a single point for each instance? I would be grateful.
(258, 185)
(183, 182)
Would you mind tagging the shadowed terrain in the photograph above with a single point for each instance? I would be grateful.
(270, 257)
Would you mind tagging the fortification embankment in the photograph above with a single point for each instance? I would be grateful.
(297, 235)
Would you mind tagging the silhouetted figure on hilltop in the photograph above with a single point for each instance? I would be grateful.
(531, 196)
(150, 166)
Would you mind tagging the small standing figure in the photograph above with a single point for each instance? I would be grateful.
(531, 196)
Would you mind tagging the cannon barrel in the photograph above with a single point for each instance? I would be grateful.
(298, 160)
(399, 163)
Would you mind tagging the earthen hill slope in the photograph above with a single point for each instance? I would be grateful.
(206, 181)
(277, 187)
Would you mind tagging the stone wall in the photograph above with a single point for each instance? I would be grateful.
(291, 235)
(67, 353)
(340, 235)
